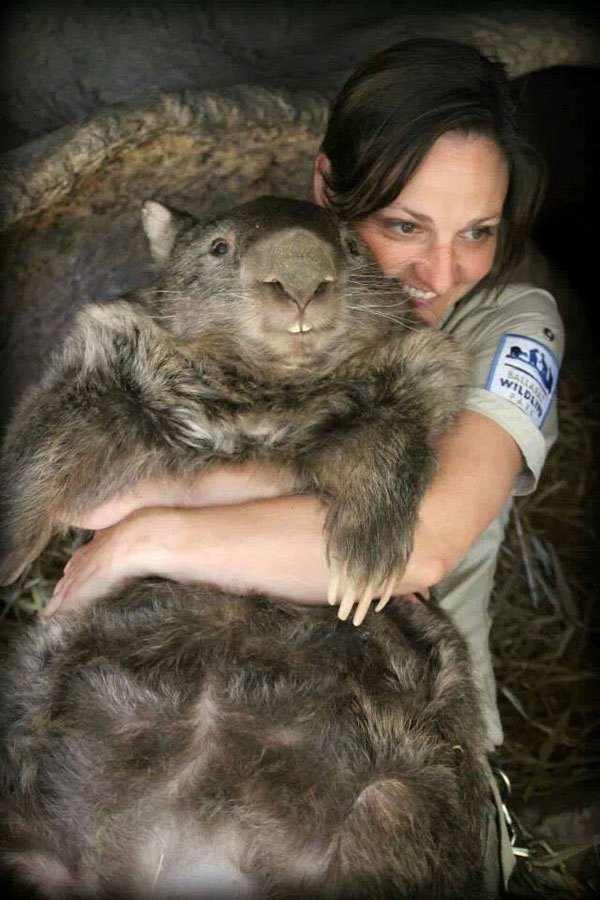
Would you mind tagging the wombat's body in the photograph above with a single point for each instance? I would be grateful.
(178, 742)
(271, 335)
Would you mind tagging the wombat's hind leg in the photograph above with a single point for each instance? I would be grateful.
(368, 851)
(394, 841)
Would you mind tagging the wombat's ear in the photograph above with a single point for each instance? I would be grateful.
(162, 225)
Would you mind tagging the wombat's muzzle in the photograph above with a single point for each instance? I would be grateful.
(298, 266)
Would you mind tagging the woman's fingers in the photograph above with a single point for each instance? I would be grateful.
(93, 570)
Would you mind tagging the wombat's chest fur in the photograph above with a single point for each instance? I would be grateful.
(204, 398)
(271, 334)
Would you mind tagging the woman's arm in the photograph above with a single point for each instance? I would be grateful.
(478, 465)
(223, 485)
(276, 545)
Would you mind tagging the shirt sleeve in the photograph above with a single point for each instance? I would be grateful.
(516, 349)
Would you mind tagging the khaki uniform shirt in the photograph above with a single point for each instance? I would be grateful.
(516, 342)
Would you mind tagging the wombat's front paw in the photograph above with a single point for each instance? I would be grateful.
(347, 590)
(368, 552)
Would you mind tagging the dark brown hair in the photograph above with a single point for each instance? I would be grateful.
(394, 107)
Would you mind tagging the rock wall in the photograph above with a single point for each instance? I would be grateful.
(65, 59)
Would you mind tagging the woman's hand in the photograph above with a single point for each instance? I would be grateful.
(132, 527)
(114, 555)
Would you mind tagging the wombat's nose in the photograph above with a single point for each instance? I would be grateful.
(298, 265)
(299, 292)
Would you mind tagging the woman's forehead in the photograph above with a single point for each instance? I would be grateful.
(464, 175)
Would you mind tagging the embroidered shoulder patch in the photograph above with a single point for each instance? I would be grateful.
(526, 373)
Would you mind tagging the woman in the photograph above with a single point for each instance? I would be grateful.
(422, 154)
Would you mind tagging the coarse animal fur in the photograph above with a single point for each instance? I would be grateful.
(173, 741)
(270, 335)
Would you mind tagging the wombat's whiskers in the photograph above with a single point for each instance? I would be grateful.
(375, 311)
(158, 316)
(161, 291)
(158, 869)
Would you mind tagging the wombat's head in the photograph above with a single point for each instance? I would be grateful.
(285, 277)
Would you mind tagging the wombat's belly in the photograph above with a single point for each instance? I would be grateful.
(177, 742)
(180, 860)
(184, 862)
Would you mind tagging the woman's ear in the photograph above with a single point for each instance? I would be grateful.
(321, 168)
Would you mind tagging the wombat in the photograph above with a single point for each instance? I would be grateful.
(271, 334)
(175, 741)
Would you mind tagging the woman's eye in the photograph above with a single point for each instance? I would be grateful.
(402, 227)
(478, 234)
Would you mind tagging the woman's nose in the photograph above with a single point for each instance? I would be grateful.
(437, 270)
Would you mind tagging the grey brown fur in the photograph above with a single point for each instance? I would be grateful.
(201, 368)
(174, 741)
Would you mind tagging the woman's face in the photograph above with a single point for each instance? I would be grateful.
(439, 235)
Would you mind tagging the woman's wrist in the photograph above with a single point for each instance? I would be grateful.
(164, 541)
(275, 546)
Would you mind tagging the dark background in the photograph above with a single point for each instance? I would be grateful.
(63, 60)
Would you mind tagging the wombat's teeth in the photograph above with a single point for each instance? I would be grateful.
(298, 327)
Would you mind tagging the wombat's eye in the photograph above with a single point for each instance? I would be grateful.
(219, 247)
(352, 246)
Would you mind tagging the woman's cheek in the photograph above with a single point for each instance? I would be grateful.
(392, 257)
(479, 262)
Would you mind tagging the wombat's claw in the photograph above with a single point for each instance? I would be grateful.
(346, 590)
(384, 591)
(385, 596)
(334, 583)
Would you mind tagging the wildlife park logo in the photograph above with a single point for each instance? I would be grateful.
(524, 372)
